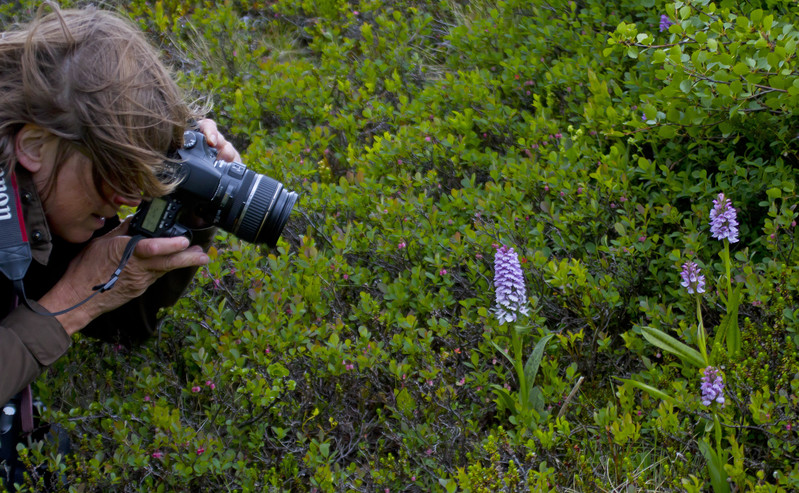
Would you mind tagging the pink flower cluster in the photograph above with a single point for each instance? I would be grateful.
(712, 386)
(511, 297)
(692, 278)
(723, 220)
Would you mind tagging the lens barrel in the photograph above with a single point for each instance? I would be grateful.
(265, 211)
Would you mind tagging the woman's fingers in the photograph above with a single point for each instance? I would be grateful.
(153, 247)
(225, 149)
(191, 257)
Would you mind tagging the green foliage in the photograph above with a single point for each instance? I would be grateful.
(362, 355)
(528, 406)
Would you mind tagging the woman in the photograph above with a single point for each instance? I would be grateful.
(88, 114)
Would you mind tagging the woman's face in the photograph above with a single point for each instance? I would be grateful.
(74, 208)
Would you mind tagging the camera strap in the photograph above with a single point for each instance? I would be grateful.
(15, 252)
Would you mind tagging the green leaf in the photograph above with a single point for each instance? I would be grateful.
(740, 68)
(768, 21)
(668, 343)
(666, 132)
(729, 323)
(534, 361)
(450, 484)
(405, 403)
(715, 466)
(504, 396)
(506, 355)
(536, 400)
(675, 55)
(654, 392)
(790, 46)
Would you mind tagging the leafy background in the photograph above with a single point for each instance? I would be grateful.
(362, 354)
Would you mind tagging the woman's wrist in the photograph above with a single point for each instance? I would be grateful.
(72, 321)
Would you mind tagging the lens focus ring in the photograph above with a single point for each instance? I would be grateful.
(256, 209)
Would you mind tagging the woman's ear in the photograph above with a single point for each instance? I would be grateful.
(30, 147)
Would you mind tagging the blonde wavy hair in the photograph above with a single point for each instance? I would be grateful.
(91, 78)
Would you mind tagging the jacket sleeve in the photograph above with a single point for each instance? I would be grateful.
(29, 343)
(137, 320)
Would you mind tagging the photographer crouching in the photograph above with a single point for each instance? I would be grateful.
(91, 120)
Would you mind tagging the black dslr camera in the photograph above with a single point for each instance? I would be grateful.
(249, 205)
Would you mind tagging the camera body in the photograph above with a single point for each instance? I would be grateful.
(252, 206)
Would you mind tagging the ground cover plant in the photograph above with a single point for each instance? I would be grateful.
(539, 246)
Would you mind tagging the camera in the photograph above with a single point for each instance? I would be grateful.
(251, 206)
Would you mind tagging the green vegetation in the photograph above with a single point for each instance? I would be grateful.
(363, 355)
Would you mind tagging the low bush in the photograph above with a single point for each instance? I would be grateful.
(364, 353)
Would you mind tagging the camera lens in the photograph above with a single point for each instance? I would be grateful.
(265, 210)
(252, 206)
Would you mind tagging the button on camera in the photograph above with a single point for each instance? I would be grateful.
(189, 140)
(237, 170)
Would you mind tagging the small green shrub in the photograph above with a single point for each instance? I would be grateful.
(362, 354)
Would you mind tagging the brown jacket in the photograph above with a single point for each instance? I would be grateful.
(30, 342)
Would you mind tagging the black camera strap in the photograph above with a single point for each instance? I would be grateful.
(15, 252)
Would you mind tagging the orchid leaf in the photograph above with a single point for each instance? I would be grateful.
(668, 343)
(654, 392)
(715, 466)
(534, 361)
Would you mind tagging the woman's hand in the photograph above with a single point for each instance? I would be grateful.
(152, 258)
(225, 150)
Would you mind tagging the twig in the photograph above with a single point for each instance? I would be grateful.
(570, 397)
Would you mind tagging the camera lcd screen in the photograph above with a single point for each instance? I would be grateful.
(153, 216)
